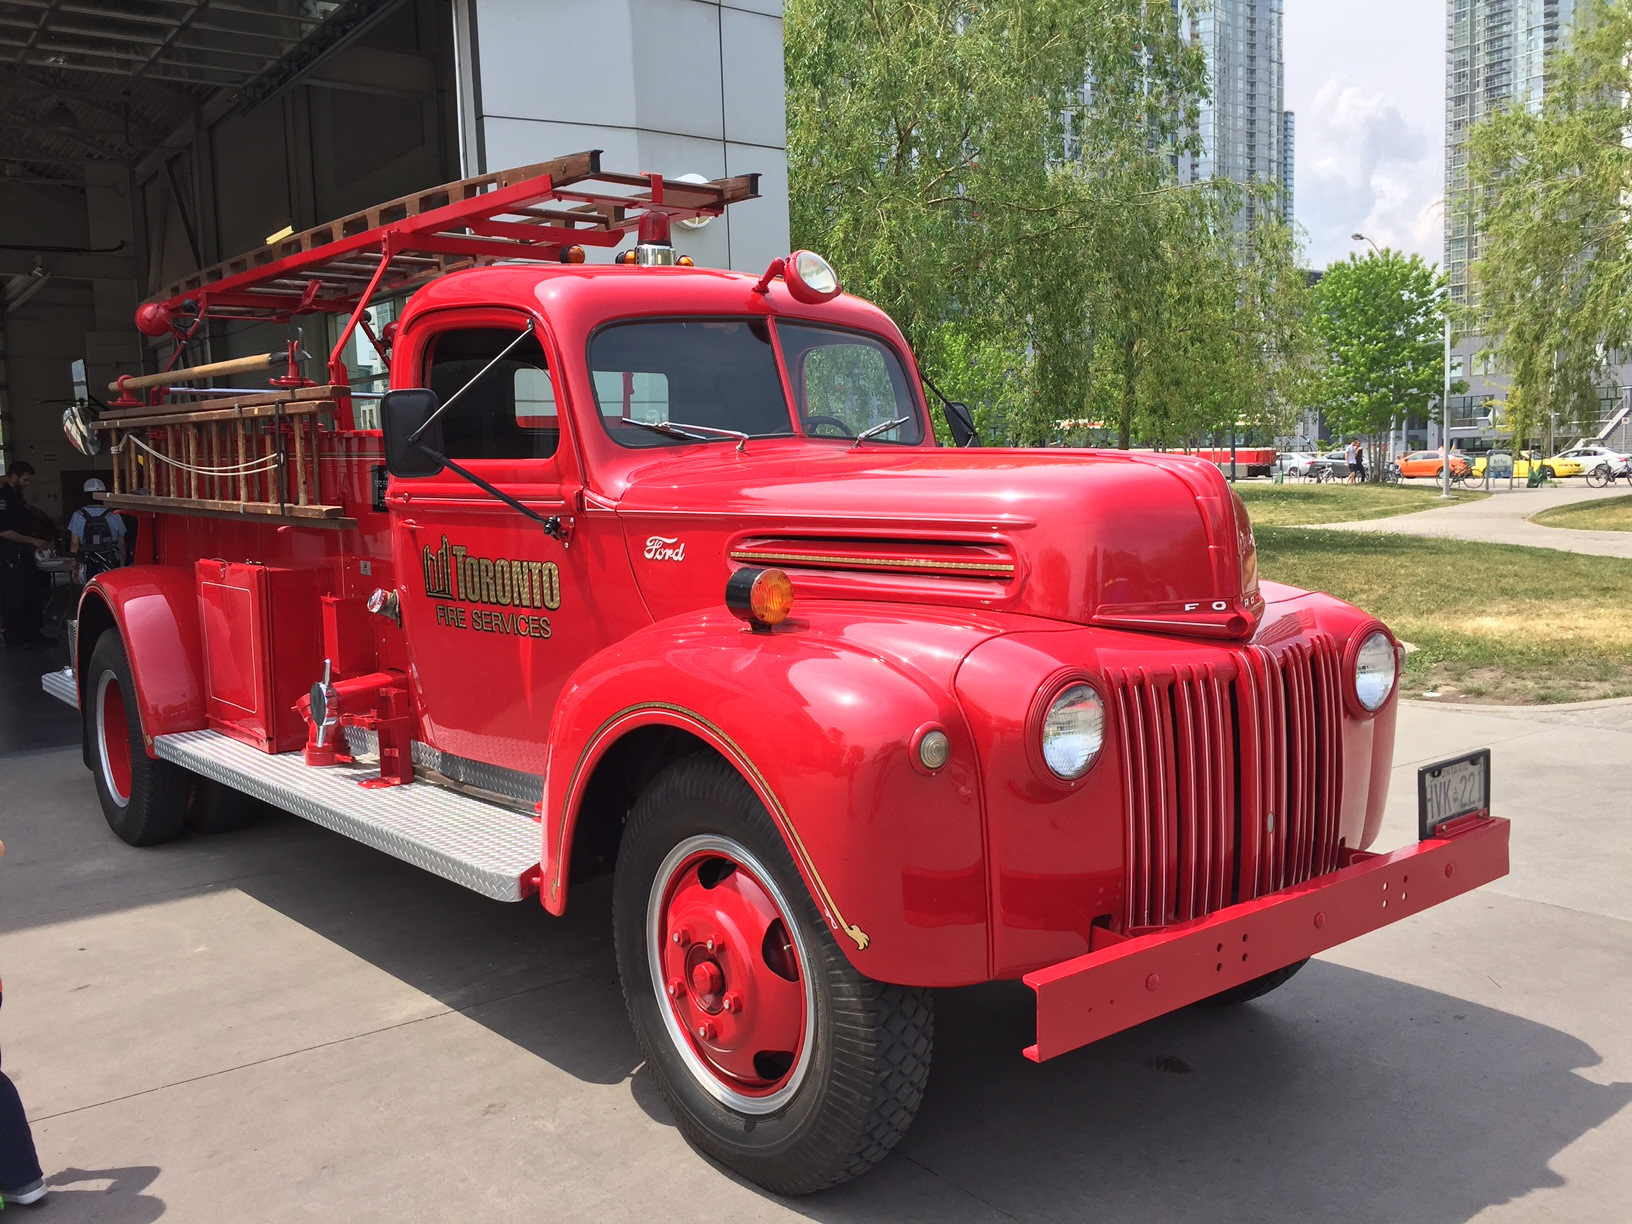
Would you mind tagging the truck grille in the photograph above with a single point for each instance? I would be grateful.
(1234, 777)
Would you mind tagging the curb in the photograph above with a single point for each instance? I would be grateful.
(1605, 703)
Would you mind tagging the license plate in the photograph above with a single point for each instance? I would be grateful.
(1451, 789)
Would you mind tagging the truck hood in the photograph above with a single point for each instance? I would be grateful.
(1142, 541)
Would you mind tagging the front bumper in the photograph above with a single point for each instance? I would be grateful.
(1138, 979)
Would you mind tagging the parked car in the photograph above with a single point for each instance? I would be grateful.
(1296, 463)
(1594, 456)
(1557, 465)
(1429, 463)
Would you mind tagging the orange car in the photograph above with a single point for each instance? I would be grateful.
(1426, 463)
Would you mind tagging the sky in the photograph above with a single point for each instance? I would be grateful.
(1367, 83)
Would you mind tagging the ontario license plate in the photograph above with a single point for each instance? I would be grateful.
(1448, 790)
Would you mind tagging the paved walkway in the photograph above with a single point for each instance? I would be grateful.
(282, 1025)
(1503, 518)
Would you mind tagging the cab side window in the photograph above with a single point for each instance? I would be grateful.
(509, 411)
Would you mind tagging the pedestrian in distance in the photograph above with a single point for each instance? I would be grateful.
(96, 536)
(19, 579)
(21, 1180)
(1351, 454)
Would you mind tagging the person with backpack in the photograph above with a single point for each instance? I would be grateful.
(96, 535)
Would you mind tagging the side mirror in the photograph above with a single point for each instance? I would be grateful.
(401, 413)
(961, 422)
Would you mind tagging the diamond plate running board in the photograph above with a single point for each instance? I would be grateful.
(61, 685)
(488, 849)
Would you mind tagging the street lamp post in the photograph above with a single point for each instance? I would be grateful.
(1357, 236)
(1445, 416)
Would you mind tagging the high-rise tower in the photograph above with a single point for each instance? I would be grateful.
(1245, 134)
(1494, 56)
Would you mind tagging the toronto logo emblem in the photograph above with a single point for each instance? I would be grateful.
(665, 548)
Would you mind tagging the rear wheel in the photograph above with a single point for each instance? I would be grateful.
(1599, 476)
(776, 1056)
(144, 800)
(1255, 989)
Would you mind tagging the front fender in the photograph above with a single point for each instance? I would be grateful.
(821, 726)
(155, 611)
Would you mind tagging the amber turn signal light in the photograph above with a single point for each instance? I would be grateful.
(762, 597)
(572, 255)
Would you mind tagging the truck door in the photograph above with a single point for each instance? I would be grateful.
(497, 613)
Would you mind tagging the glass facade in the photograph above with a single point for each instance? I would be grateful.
(1245, 134)
(1495, 53)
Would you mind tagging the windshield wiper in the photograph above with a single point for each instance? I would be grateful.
(682, 429)
(872, 431)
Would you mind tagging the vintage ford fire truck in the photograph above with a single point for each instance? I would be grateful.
(660, 571)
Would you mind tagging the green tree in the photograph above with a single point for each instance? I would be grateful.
(990, 173)
(1381, 321)
(998, 175)
(1553, 280)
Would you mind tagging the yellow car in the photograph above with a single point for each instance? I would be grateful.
(1499, 463)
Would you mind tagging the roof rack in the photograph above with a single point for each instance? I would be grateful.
(410, 240)
(536, 212)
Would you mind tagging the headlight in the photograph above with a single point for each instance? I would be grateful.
(1374, 668)
(1073, 731)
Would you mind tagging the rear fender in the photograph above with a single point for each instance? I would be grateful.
(154, 609)
(823, 730)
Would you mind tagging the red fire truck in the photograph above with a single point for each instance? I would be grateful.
(661, 571)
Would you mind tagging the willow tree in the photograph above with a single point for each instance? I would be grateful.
(996, 176)
(1550, 188)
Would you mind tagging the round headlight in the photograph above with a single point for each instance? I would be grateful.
(1374, 667)
(1073, 731)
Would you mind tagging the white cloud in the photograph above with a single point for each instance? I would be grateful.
(1364, 166)
(1367, 83)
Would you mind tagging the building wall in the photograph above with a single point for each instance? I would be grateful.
(667, 86)
(1245, 133)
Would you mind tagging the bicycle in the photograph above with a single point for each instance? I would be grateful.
(1604, 475)
(1392, 474)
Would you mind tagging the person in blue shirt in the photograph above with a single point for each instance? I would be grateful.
(96, 535)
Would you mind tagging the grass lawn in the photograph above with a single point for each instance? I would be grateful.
(1305, 505)
(1606, 514)
(1491, 622)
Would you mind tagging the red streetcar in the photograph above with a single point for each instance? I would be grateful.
(660, 571)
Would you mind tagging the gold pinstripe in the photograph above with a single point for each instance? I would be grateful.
(861, 938)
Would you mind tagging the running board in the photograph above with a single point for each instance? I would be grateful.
(488, 849)
(62, 686)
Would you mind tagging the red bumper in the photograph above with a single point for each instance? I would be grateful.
(1106, 991)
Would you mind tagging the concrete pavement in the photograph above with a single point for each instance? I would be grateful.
(1503, 518)
(279, 1024)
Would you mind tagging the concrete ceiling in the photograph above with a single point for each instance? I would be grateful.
(111, 80)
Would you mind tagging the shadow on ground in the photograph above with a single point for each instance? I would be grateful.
(1343, 1096)
(108, 1196)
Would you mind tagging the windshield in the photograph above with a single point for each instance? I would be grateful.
(718, 373)
(846, 383)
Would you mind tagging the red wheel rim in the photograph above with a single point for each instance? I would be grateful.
(113, 735)
(731, 973)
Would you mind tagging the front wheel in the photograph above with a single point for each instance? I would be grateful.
(1599, 476)
(144, 800)
(776, 1056)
